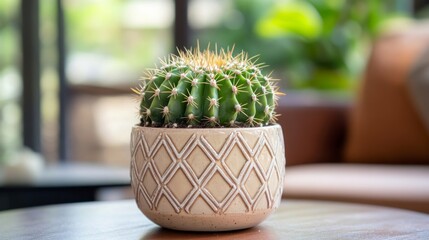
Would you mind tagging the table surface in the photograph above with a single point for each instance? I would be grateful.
(294, 219)
(75, 175)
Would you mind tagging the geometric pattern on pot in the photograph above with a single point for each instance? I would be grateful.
(244, 169)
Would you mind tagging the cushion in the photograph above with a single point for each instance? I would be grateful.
(313, 127)
(401, 186)
(385, 126)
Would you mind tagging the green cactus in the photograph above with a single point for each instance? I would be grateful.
(207, 89)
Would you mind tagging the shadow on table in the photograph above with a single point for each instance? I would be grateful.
(255, 233)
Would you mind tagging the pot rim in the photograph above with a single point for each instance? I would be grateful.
(275, 125)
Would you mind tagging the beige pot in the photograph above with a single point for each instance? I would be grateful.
(207, 179)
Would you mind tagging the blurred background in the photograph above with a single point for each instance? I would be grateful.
(67, 66)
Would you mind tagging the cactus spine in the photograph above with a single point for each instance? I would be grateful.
(207, 89)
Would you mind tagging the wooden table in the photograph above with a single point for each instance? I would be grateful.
(66, 183)
(293, 220)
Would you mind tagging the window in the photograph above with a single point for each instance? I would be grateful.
(10, 79)
(108, 44)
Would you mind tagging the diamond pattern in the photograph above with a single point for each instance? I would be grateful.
(200, 206)
(253, 184)
(149, 183)
(180, 186)
(162, 160)
(198, 173)
(198, 161)
(218, 187)
(265, 158)
(237, 206)
(139, 165)
(216, 142)
(235, 160)
(273, 183)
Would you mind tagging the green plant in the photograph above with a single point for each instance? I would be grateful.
(207, 89)
(329, 40)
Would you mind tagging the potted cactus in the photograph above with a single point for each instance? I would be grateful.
(207, 154)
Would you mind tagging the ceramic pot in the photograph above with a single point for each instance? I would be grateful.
(212, 179)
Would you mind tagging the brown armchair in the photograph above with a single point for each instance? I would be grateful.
(373, 150)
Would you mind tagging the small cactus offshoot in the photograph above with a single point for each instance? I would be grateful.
(207, 89)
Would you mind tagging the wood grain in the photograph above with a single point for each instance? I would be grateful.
(293, 220)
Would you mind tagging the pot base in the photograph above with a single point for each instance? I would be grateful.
(208, 223)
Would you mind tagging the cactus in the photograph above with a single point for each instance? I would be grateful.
(207, 89)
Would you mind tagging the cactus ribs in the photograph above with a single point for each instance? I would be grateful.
(207, 89)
